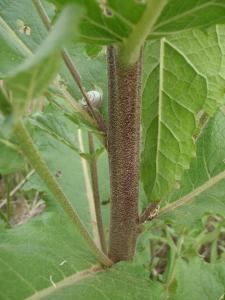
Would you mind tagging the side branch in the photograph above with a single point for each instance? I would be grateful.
(37, 162)
(96, 194)
(152, 210)
(189, 197)
(71, 67)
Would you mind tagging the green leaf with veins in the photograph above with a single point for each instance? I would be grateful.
(206, 51)
(123, 281)
(114, 21)
(208, 163)
(31, 78)
(40, 253)
(198, 280)
(92, 71)
(178, 92)
(184, 75)
(16, 45)
(57, 144)
(49, 123)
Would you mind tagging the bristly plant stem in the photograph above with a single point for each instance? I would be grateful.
(71, 67)
(95, 188)
(37, 162)
(123, 148)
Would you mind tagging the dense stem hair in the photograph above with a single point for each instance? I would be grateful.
(123, 147)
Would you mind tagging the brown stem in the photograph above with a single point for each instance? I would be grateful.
(95, 189)
(123, 147)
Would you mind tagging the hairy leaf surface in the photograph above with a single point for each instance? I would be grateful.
(208, 163)
(31, 78)
(198, 280)
(124, 281)
(38, 254)
(183, 84)
(114, 21)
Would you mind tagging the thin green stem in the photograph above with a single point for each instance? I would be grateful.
(184, 200)
(71, 67)
(8, 198)
(37, 162)
(132, 45)
(41, 11)
(88, 189)
(189, 197)
(96, 194)
(18, 187)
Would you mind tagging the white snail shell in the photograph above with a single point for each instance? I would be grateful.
(95, 98)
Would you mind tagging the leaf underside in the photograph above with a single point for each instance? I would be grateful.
(181, 83)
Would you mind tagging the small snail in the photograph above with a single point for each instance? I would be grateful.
(95, 98)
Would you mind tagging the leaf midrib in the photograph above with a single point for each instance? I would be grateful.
(180, 16)
(68, 281)
(11, 32)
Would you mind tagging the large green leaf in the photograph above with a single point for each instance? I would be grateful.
(59, 142)
(173, 95)
(16, 45)
(205, 50)
(92, 71)
(33, 256)
(115, 20)
(178, 15)
(32, 77)
(183, 80)
(124, 281)
(208, 163)
(198, 280)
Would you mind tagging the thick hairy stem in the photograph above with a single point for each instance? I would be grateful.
(123, 147)
(35, 159)
(95, 189)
